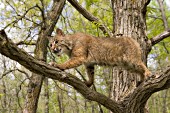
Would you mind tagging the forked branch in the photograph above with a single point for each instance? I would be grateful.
(142, 93)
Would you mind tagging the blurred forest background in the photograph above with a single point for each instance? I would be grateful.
(22, 18)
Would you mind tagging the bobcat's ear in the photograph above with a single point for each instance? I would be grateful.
(59, 32)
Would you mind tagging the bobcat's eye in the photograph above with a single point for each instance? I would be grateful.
(56, 42)
(50, 45)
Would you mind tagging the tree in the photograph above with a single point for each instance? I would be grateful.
(41, 53)
(129, 20)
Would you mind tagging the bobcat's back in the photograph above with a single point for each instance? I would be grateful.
(112, 51)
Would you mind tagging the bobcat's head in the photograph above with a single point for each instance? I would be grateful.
(60, 44)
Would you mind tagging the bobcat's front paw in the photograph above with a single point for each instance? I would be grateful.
(54, 64)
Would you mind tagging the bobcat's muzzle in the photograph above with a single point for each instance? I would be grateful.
(56, 50)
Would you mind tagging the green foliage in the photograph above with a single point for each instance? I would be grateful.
(80, 24)
(71, 21)
(160, 54)
(155, 26)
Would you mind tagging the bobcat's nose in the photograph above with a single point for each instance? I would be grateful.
(56, 50)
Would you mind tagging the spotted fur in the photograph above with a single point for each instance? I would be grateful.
(88, 50)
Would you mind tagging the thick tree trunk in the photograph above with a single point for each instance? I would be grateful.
(129, 20)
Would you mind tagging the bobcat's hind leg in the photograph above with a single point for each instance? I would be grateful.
(143, 70)
(90, 73)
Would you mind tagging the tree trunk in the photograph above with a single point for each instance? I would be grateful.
(36, 80)
(133, 103)
(46, 96)
(131, 23)
(162, 10)
(129, 20)
(4, 92)
(60, 96)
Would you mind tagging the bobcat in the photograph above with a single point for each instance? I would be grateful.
(88, 50)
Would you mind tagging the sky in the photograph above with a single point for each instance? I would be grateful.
(167, 2)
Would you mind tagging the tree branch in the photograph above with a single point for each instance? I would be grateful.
(142, 93)
(160, 37)
(26, 42)
(90, 17)
(9, 49)
(20, 17)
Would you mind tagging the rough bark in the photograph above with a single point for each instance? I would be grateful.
(129, 20)
(132, 103)
(36, 80)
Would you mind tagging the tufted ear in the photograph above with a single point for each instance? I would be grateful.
(59, 32)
